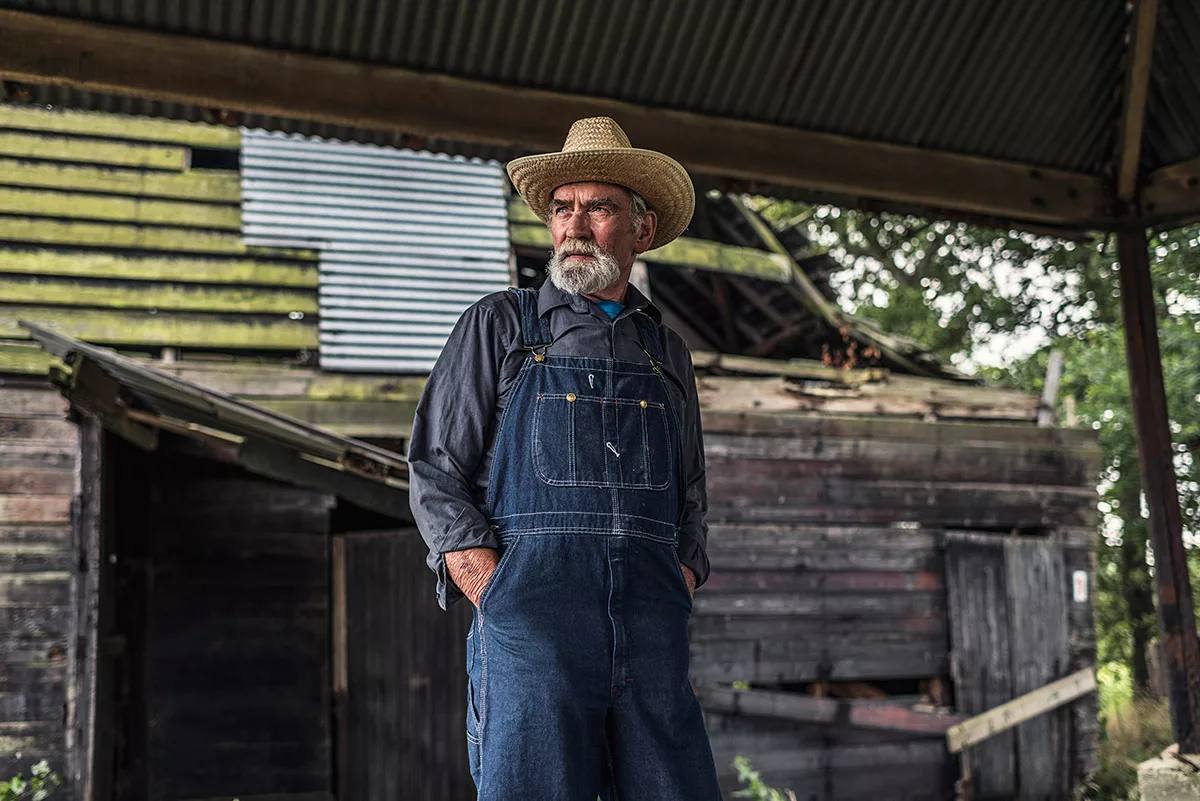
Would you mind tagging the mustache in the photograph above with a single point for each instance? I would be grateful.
(579, 247)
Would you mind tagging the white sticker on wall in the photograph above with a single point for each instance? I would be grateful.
(1079, 580)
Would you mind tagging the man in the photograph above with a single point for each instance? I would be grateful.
(557, 475)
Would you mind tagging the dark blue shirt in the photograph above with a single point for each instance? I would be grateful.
(454, 428)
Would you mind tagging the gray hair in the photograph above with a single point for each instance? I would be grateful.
(637, 210)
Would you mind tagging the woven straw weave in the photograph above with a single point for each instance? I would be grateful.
(597, 149)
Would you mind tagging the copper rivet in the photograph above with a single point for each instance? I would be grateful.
(644, 404)
(539, 357)
(571, 397)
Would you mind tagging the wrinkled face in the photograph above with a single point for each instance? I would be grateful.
(594, 237)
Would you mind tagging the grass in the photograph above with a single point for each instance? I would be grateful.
(1133, 729)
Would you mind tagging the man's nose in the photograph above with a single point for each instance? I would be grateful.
(579, 226)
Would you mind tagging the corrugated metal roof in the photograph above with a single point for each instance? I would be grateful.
(407, 240)
(1172, 132)
(1023, 80)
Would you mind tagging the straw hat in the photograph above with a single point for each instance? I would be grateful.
(598, 150)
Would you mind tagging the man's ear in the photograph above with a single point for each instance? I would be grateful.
(649, 229)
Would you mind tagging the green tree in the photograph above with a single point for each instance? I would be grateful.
(1001, 300)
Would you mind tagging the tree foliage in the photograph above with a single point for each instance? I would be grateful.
(1000, 301)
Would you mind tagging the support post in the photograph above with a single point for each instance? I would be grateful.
(1176, 617)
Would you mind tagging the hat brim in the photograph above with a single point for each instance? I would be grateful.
(661, 181)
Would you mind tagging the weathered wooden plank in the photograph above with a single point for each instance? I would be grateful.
(736, 492)
(88, 150)
(37, 453)
(178, 269)
(1020, 710)
(182, 329)
(348, 417)
(24, 481)
(900, 604)
(25, 359)
(950, 432)
(119, 126)
(981, 661)
(140, 211)
(865, 629)
(684, 252)
(882, 715)
(994, 462)
(27, 402)
(40, 230)
(35, 508)
(797, 575)
(141, 295)
(212, 186)
(41, 430)
(896, 397)
(1037, 600)
(735, 661)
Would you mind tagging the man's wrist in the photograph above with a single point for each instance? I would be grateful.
(470, 569)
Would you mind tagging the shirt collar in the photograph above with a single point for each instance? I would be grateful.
(550, 296)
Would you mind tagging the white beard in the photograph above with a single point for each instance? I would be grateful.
(582, 277)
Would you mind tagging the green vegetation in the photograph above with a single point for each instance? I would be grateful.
(41, 783)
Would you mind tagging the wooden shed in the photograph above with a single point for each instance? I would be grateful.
(210, 586)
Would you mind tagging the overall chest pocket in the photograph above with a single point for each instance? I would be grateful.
(593, 441)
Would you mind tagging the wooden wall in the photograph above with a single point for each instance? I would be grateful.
(222, 605)
(38, 449)
(827, 541)
(406, 660)
(126, 231)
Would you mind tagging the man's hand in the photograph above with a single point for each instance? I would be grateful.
(690, 578)
(471, 569)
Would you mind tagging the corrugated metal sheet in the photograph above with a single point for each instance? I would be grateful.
(407, 240)
(1172, 132)
(1023, 80)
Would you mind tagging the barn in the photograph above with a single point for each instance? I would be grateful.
(209, 356)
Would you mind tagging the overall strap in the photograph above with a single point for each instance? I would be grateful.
(648, 333)
(535, 331)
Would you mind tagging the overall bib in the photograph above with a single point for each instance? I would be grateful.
(577, 658)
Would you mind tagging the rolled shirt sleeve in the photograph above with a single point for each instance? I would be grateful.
(450, 436)
(693, 530)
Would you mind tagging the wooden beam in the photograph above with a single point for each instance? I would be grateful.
(212, 186)
(1176, 617)
(117, 126)
(1140, 57)
(95, 57)
(1020, 709)
(1171, 194)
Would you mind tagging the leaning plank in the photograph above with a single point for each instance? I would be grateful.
(184, 269)
(214, 186)
(162, 296)
(92, 151)
(275, 332)
(119, 126)
(144, 211)
(1020, 709)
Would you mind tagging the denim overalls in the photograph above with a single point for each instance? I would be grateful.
(577, 659)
